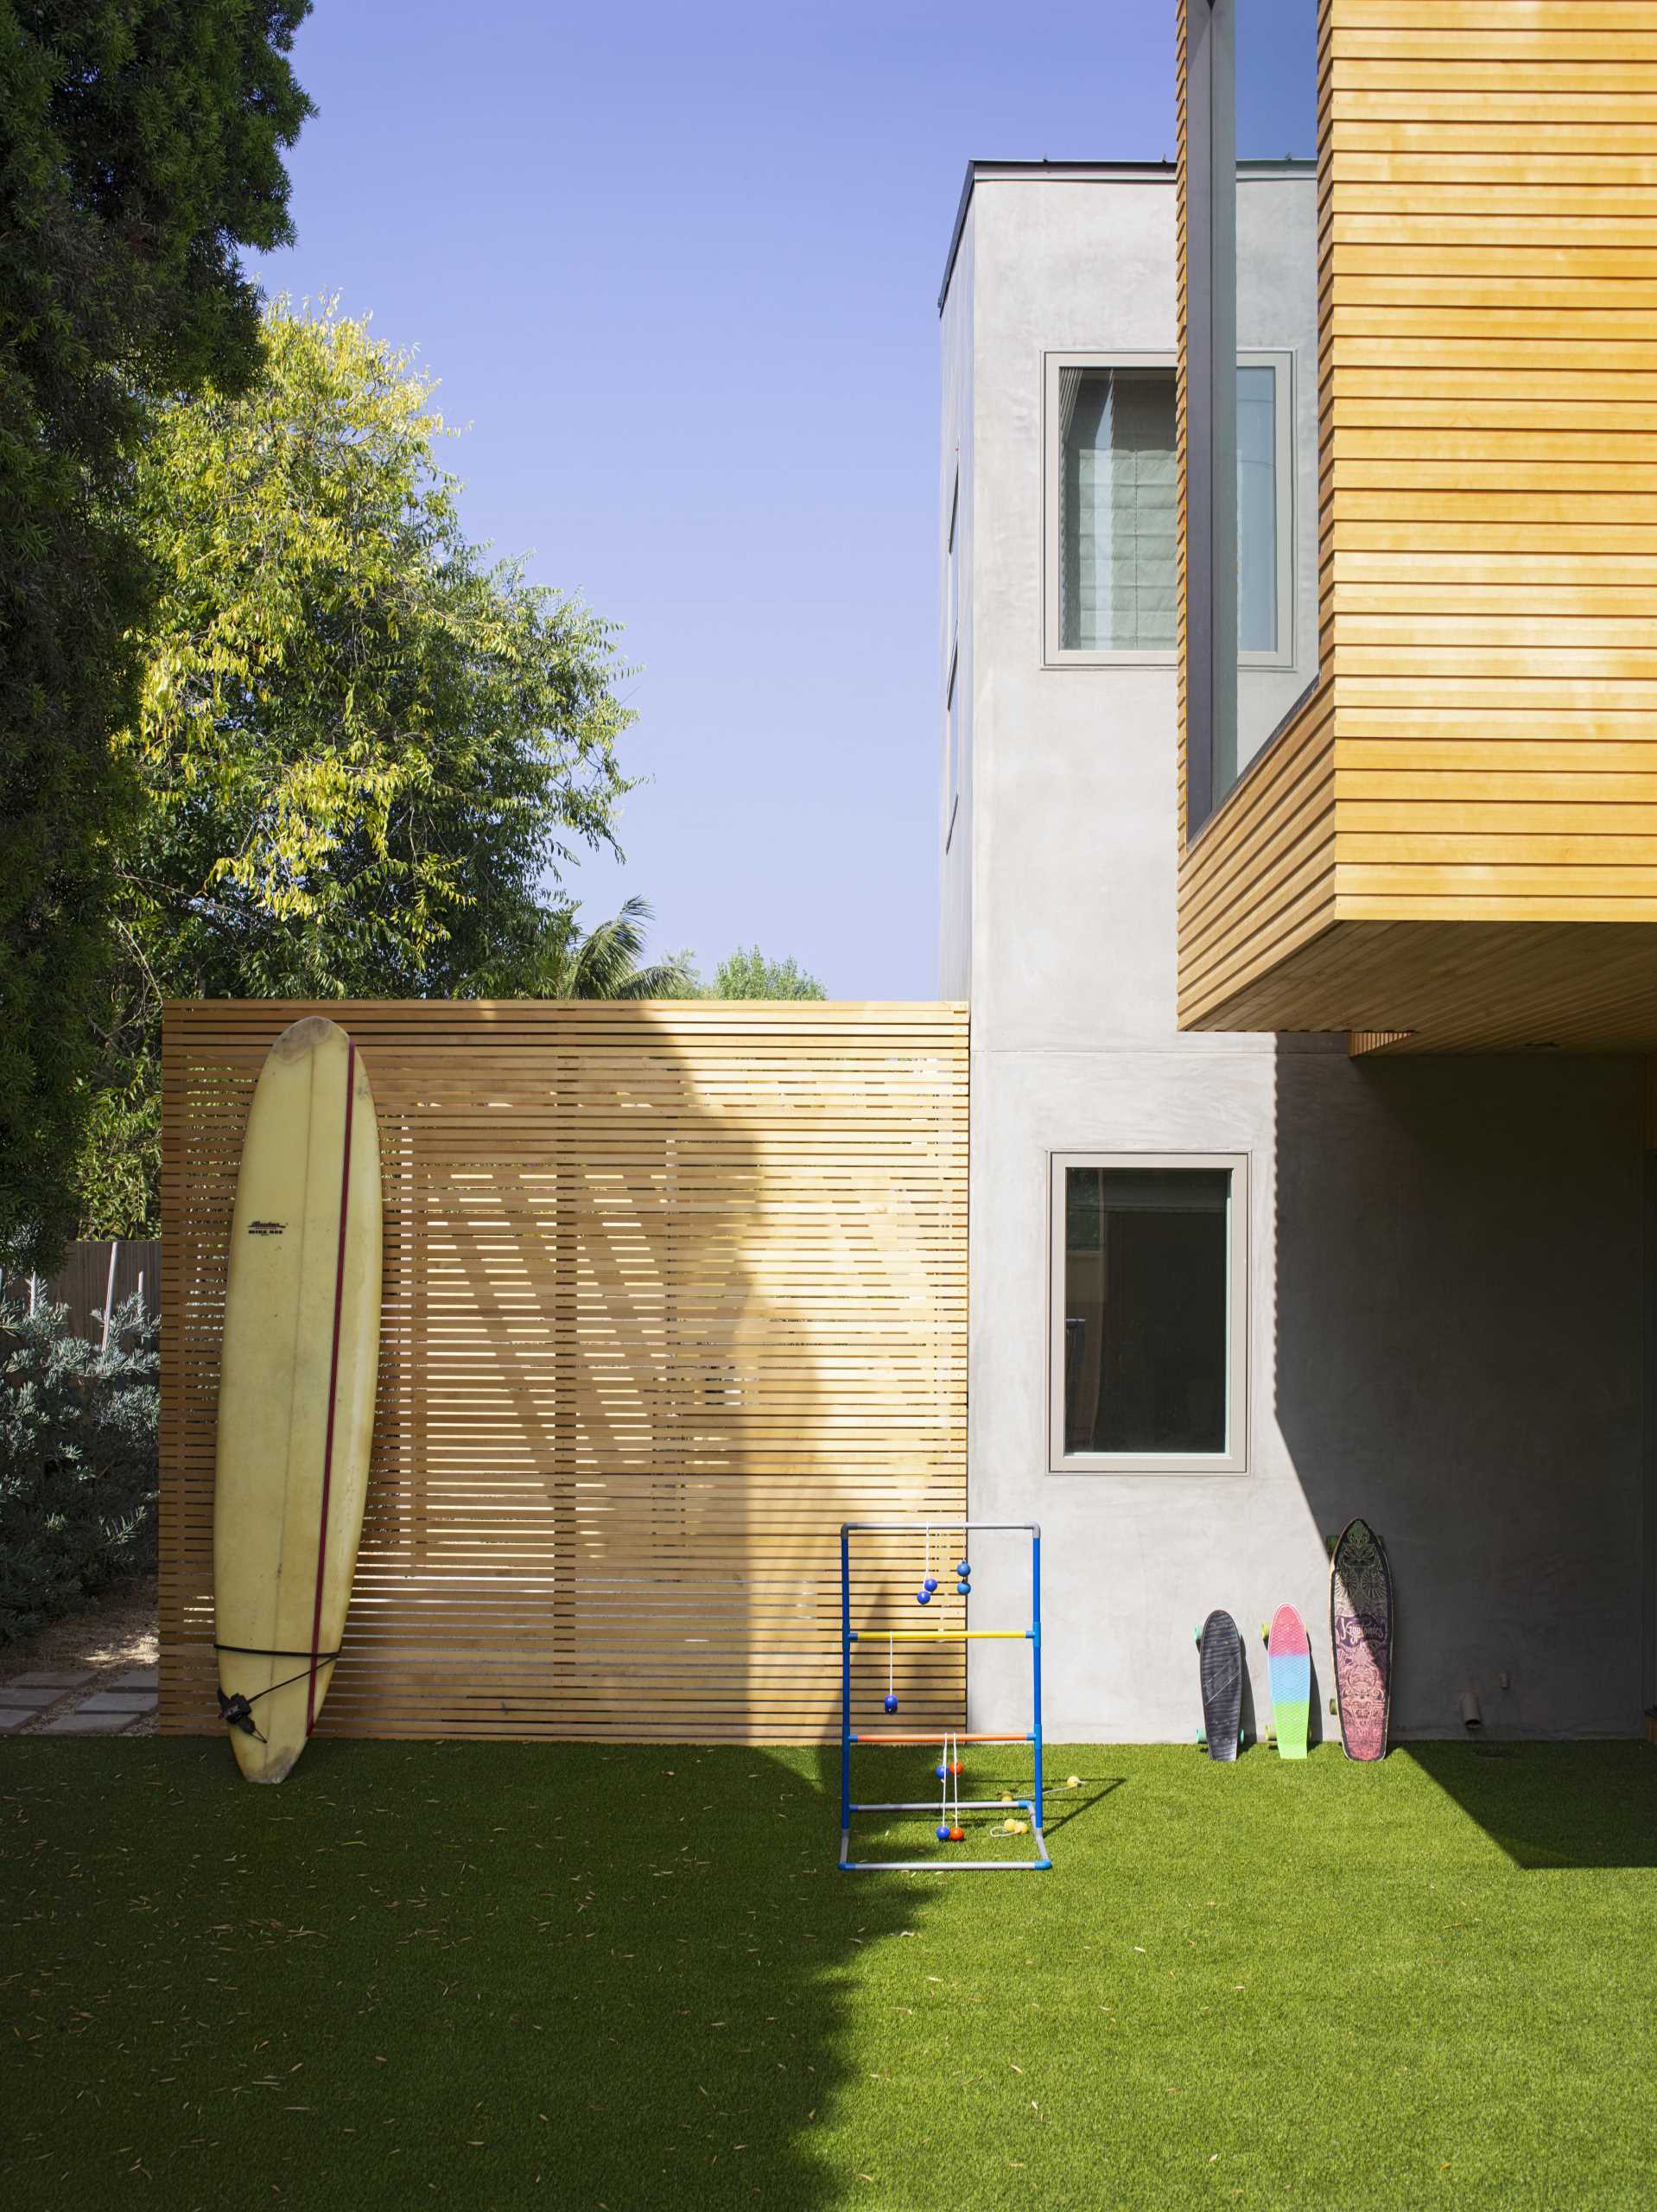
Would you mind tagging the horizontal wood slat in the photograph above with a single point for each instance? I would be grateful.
(670, 1291)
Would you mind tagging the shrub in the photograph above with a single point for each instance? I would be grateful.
(78, 1464)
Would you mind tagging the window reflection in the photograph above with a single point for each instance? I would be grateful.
(1257, 389)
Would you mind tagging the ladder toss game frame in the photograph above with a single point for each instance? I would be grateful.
(1042, 1862)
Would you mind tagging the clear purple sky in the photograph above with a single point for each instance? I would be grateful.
(676, 267)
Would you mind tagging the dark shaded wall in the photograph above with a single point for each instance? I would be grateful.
(1460, 1355)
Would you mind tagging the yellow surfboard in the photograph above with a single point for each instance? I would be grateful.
(297, 1390)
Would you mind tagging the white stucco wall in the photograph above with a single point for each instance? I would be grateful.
(955, 454)
(1446, 1258)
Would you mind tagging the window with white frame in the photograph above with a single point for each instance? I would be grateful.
(1265, 510)
(1111, 493)
(1149, 1348)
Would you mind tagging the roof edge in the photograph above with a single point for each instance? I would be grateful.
(1076, 172)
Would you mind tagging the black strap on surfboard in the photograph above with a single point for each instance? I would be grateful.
(237, 1712)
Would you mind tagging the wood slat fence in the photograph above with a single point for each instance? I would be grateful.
(85, 1280)
(671, 1291)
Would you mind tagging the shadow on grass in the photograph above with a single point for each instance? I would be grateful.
(624, 1974)
(1554, 1805)
(1005, 1772)
(1064, 1806)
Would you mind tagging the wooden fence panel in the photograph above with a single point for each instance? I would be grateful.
(671, 1291)
(82, 1282)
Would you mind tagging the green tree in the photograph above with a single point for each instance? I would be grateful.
(606, 962)
(363, 751)
(141, 148)
(746, 974)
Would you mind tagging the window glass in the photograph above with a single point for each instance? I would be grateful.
(1147, 1270)
(1117, 524)
(1252, 249)
(1257, 519)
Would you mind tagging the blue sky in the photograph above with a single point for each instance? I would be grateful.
(676, 268)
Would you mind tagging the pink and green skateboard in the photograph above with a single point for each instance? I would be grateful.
(1288, 1663)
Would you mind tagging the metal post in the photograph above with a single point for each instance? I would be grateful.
(845, 1693)
(109, 1294)
(1035, 1667)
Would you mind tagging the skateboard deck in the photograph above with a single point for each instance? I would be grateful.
(1361, 1630)
(1220, 1665)
(1288, 1663)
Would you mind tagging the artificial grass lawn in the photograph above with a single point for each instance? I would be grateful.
(512, 1974)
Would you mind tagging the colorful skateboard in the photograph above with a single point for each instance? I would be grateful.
(1288, 1663)
(1220, 1665)
(1361, 1630)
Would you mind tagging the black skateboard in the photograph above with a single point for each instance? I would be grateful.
(1220, 1665)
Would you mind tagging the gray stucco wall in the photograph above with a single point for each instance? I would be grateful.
(1447, 1258)
(956, 454)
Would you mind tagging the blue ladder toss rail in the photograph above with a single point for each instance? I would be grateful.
(1042, 1863)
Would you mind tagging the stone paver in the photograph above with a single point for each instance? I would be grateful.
(119, 1701)
(87, 1723)
(12, 1717)
(137, 1678)
(44, 1682)
(20, 1693)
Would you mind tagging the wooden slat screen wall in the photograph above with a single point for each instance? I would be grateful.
(671, 1291)
(1490, 288)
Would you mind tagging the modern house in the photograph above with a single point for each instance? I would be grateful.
(1299, 858)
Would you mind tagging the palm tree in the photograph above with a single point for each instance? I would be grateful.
(605, 962)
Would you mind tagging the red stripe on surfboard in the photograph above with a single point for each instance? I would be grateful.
(333, 1380)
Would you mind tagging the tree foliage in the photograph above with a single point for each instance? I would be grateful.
(746, 974)
(606, 962)
(141, 146)
(363, 751)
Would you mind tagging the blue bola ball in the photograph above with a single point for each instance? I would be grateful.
(891, 1702)
(963, 1589)
(944, 1834)
(963, 1568)
(923, 1597)
(930, 1583)
(941, 1772)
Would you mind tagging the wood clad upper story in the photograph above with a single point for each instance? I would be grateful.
(1451, 841)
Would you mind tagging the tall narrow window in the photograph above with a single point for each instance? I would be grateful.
(1251, 336)
(1112, 493)
(1257, 517)
(1150, 1337)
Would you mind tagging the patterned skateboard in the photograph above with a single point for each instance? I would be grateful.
(1220, 1665)
(1361, 1630)
(1288, 1663)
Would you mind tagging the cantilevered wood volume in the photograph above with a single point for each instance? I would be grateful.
(1454, 844)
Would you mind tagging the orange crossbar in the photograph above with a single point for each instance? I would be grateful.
(937, 1736)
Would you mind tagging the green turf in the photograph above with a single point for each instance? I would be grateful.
(506, 1974)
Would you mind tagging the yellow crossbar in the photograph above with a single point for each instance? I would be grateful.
(940, 1635)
